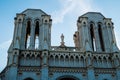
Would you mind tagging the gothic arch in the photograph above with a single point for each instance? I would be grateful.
(28, 56)
(95, 61)
(66, 58)
(38, 56)
(101, 36)
(67, 77)
(105, 62)
(105, 79)
(28, 79)
(62, 59)
(99, 61)
(109, 62)
(92, 36)
(82, 61)
(51, 59)
(28, 31)
(37, 23)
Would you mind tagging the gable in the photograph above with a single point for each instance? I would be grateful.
(93, 16)
(33, 13)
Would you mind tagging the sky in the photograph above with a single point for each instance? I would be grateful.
(64, 14)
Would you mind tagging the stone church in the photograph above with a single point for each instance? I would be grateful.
(95, 55)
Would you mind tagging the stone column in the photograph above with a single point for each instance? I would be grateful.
(87, 41)
(83, 34)
(32, 36)
(15, 29)
(118, 73)
(90, 68)
(23, 38)
(40, 35)
(91, 75)
(44, 69)
(46, 37)
(97, 39)
(19, 36)
(114, 46)
(12, 71)
(107, 35)
(111, 35)
(18, 32)
(106, 38)
(15, 57)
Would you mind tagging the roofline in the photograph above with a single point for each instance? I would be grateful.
(92, 13)
(34, 10)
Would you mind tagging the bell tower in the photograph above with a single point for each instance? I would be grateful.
(31, 41)
(95, 33)
(32, 30)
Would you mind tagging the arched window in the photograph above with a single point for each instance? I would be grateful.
(105, 79)
(37, 35)
(67, 79)
(104, 62)
(27, 40)
(82, 61)
(66, 60)
(92, 37)
(101, 37)
(28, 79)
(95, 61)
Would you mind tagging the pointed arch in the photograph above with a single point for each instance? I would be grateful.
(67, 60)
(95, 61)
(82, 61)
(105, 62)
(51, 59)
(109, 62)
(28, 31)
(28, 79)
(99, 61)
(101, 36)
(67, 77)
(92, 35)
(36, 34)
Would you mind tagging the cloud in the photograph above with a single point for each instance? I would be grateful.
(72, 6)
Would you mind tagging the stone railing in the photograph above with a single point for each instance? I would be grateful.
(83, 59)
(30, 53)
(70, 57)
(58, 48)
(29, 68)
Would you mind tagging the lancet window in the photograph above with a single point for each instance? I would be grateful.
(36, 34)
(101, 37)
(28, 30)
(92, 37)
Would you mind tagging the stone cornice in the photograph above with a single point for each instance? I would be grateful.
(67, 69)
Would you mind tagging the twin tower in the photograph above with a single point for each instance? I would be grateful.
(95, 55)
(94, 32)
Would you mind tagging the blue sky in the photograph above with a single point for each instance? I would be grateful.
(64, 14)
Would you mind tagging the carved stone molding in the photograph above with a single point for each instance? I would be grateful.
(105, 71)
(29, 69)
(68, 70)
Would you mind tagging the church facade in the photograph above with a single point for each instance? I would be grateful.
(95, 55)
